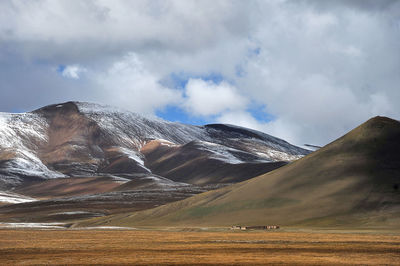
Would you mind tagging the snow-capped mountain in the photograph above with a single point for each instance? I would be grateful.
(77, 139)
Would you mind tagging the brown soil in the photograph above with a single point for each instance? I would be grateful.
(67, 187)
(201, 248)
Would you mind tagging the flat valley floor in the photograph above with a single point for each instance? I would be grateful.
(147, 247)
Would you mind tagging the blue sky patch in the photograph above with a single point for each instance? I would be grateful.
(61, 68)
(258, 111)
(180, 79)
(256, 51)
(177, 114)
(239, 71)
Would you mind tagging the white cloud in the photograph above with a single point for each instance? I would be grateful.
(322, 79)
(317, 23)
(205, 98)
(278, 127)
(50, 28)
(380, 104)
(129, 84)
(319, 67)
(73, 71)
(241, 118)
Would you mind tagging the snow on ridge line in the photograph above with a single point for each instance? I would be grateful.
(273, 141)
(88, 108)
(134, 129)
(156, 128)
(163, 127)
(224, 153)
(128, 129)
(164, 132)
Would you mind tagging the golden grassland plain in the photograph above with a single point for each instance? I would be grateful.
(148, 247)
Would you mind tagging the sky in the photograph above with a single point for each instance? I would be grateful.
(306, 71)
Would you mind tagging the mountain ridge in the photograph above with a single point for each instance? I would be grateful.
(351, 182)
(84, 157)
(76, 138)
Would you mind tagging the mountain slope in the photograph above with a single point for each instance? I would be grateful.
(77, 139)
(201, 162)
(75, 160)
(352, 182)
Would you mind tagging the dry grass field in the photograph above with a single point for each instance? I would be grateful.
(69, 247)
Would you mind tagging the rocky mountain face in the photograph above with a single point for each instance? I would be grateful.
(76, 139)
(104, 158)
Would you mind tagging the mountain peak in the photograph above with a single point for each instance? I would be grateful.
(379, 122)
(64, 107)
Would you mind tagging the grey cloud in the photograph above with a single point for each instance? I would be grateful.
(319, 67)
(25, 85)
(322, 73)
(365, 5)
(62, 30)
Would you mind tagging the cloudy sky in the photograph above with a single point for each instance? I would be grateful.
(305, 71)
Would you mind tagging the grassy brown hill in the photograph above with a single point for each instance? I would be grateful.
(352, 182)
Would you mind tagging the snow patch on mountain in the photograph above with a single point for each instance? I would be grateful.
(277, 155)
(24, 136)
(136, 156)
(33, 225)
(93, 214)
(167, 143)
(165, 182)
(20, 136)
(104, 228)
(257, 139)
(219, 152)
(10, 197)
(133, 129)
(15, 127)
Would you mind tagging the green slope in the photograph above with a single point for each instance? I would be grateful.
(352, 182)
